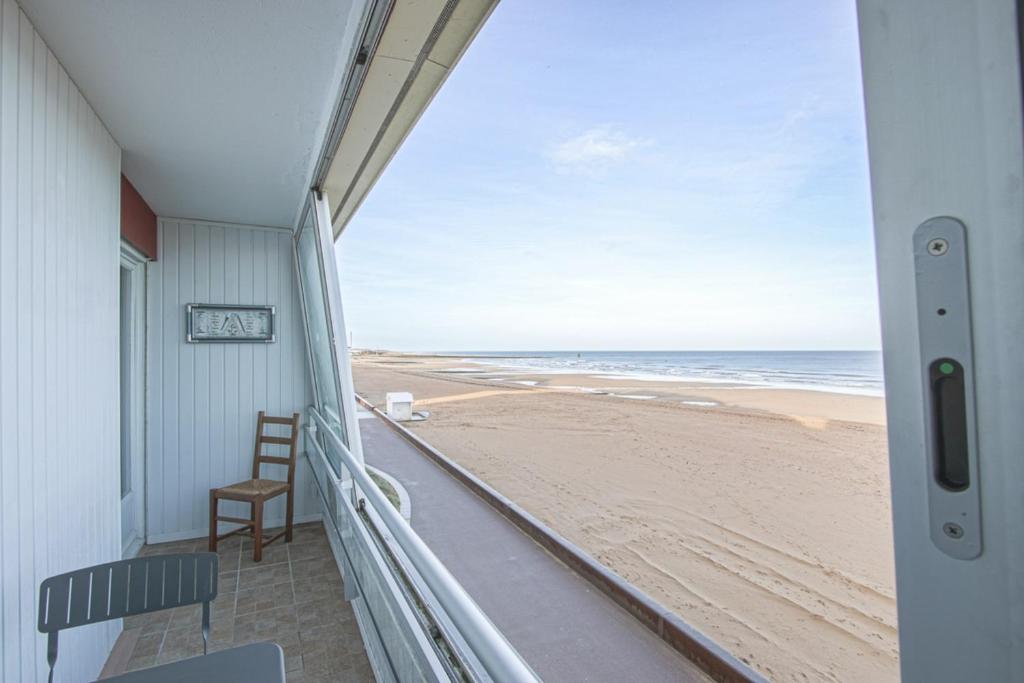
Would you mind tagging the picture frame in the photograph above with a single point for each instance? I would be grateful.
(229, 324)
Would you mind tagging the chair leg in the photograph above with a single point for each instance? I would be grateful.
(257, 532)
(288, 517)
(213, 521)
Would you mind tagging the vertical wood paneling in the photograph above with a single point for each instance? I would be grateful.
(202, 434)
(182, 485)
(204, 397)
(164, 501)
(218, 441)
(59, 215)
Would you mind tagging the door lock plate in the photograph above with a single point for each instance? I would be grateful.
(947, 369)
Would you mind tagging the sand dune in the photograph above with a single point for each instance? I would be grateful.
(762, 520)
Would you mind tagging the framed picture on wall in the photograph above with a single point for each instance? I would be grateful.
(227, 323)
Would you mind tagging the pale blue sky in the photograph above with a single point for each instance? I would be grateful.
(606, 175)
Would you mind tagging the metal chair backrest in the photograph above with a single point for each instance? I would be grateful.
(123, 589)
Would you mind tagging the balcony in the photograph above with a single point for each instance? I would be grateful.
(399, 604)
(294, 597)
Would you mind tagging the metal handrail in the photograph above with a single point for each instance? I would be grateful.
(495, 653)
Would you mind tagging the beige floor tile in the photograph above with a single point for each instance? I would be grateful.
(264, 576)
(228, 560)
(247, 543)
(140, 662)
(308, 532)
(148, 645)
(264, 597)
(321, 566)
(275, 553)
(154, 622)
(311, 549)
(229, 543)
(328, 611)
(227, 582)
(279, 625)
(180, 644)
(189, 546)
(318, 588)
(292, 655)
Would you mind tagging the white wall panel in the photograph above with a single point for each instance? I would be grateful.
(59, 411)
(203, 398)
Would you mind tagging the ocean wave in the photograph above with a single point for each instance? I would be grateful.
(838, 372)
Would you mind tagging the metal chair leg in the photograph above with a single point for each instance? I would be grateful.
(206, 625)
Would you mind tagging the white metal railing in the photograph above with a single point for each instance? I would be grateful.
(487, 643)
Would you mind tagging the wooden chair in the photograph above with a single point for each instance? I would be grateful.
(258, 491)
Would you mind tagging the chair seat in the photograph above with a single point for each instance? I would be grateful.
(253, 488)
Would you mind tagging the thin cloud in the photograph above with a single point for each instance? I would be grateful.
(595, 150)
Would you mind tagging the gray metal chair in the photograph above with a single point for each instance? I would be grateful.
(123, 589)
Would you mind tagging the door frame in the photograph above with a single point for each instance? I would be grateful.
(943, 102)
(134, 262)
(332, 287)
(317, 211)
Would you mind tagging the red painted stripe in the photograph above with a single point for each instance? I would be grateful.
(138, 222)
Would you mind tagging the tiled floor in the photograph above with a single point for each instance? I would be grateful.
(293, 597)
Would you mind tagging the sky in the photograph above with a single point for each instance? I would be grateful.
(686, 175)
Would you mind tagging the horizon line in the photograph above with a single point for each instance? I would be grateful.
(572, 350)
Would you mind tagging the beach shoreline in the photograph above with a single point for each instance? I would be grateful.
(811, 404)
(759, 515)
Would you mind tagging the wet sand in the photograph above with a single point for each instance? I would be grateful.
(760, 516)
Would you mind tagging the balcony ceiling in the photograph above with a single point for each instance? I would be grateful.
(220, 107)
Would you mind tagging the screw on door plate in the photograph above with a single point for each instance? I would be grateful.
(938, 246)
(952, 530)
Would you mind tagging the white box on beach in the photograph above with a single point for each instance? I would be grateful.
(399, 405)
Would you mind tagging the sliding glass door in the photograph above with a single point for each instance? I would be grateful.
(325, 326)
(394, 640)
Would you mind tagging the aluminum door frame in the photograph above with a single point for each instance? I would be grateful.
(134, 262)
(319, 211)
(942, 86)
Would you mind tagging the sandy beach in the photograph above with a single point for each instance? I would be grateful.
(760, 516)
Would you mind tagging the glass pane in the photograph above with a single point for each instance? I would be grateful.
(318, 326)
(375, 582)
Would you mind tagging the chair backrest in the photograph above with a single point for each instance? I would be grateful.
(292, 441)
(123, 589)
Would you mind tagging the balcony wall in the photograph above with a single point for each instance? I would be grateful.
(203, 398)
(59, 410)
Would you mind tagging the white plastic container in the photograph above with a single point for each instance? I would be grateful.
(399, 405)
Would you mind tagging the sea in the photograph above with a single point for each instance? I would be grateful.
(848, 372)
